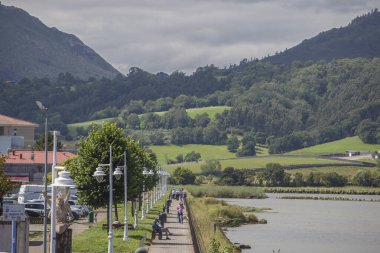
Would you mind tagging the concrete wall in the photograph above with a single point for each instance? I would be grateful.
(22, 236)
(27, 132)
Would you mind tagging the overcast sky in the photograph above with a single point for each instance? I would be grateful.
(170, 35)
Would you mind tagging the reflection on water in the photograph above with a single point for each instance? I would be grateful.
(313, 226)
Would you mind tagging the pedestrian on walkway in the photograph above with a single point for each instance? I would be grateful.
(180, 209)
(159, 229)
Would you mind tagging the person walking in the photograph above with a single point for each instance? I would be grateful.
(180, 209)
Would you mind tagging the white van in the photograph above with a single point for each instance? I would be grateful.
(30, 191)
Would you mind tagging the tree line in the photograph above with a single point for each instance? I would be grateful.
(293, 106)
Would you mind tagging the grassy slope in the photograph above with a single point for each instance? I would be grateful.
(211, 110)
(335, 147)
(72, 127)
(256, 162)
(348, 171)
(207, 151)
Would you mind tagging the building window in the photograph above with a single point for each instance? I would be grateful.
(1, 131)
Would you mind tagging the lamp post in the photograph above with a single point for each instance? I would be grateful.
(63, 182)
(43, 109)
(99, 175)
(53, 235)
(145, 172)
(125, 237)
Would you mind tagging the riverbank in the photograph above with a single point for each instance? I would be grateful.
(354, 190)
(210, 216)
(217, 191)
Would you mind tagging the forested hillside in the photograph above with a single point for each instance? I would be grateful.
(287, 106)
(28, 48)
(361, 38)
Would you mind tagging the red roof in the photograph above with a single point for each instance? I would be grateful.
(19, 179)
(25, 157)
(8, 121)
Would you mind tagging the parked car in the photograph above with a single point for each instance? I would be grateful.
(35, 208)
(28, 192)
(76, 208)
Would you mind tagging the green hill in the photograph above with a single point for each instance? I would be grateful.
(337, 147)
(207, 151)
(28, 48)
(192, 112)
(361, 38)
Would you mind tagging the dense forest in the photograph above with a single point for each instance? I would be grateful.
(286, 106)
(292, 106)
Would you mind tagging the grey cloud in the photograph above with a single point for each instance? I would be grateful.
(169, 35)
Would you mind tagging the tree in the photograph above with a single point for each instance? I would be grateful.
(133, 121)
(298, 180)
(40, 143)
(362, 178)
(202, 120)
(179, 158)
(248, 149)
(5, 184)
(176, 117)
(94, 150)
(211, 167)
(233, 144)
(182, 176)
(367, 131)
(212, 135)
(192, 157)
(274, 175)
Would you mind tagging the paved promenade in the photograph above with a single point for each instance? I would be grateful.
(180, 241)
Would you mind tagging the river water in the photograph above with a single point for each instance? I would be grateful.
(312, 226)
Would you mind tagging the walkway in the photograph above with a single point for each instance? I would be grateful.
(180, 241)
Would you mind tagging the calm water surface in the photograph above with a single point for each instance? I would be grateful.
(312, 226)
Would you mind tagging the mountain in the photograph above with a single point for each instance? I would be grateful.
(361, 38)
(28, 48)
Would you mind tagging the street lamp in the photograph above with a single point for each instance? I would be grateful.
(118, 174)
(99, 176)
(44, 110)
(63, 182)
(145, 172)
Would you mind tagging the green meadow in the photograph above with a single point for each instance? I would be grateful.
(207, 152)
(347, 171)
(192, 112)
(72, 127)
(257, 162)
(210, 110)
(337, 147)
(95, 239)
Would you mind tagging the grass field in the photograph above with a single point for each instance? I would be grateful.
(210, 110)
(256, 162)
(207, 151)
(72, 127)
(192, 112)
(95, 239)
(344, 171)
(335, 147)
